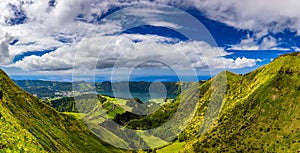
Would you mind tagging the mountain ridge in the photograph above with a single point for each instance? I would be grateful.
(50, 130)
(254, 106)
(260, 112)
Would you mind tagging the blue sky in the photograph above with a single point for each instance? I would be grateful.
(143, 40)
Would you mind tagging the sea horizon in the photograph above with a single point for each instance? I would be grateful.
(68, 78)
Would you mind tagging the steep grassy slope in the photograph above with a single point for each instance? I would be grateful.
(261, 112)
(27, 124)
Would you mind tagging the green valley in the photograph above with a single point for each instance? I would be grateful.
(28, 125)
(260, 112)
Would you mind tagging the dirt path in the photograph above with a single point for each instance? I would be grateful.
(112, 109)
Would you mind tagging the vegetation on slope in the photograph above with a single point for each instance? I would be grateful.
(30, 125)
(260, 112)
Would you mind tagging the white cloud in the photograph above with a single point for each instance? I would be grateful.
(147, 37)
(256, 15)
(246, 44)
(259, 16)
(44, 24)
(267, 43)
(244, 62)
(296, 49)
(5, 39)
(154, 16)
(164, 24)
(121, 52)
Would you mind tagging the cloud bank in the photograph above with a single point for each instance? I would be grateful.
(37, 25)
(122, 52)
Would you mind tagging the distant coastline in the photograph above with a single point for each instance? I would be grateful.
(68, 78)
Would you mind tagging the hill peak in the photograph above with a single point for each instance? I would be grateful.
(42, 128)
(2, 74)
(291, 54)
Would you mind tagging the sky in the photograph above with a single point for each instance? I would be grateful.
(145, 40)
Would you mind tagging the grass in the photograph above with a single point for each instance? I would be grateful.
(260, 113)
(40, 126)
(175, 147)
(15, 139)
(78, 116)
(117, 110)
(151, 140)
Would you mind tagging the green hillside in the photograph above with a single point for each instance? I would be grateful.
(26, 124)
(261, 112)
